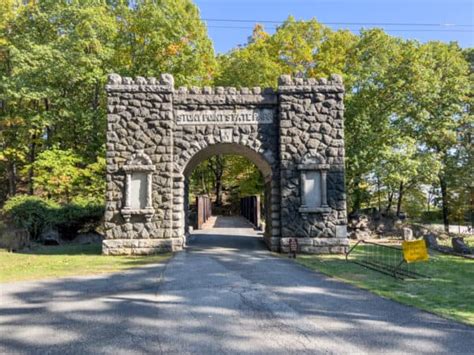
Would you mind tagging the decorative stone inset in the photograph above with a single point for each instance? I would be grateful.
(226, 135)
(314, 188)
(138, 187)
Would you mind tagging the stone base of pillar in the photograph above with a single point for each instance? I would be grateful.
(317, 245)
(141, 246)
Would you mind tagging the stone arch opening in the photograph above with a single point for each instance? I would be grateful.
(258, 159)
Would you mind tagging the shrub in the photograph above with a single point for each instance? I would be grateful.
(30, 212)
(56, 171)
(71, 218)
(431, 216)
(35, 214)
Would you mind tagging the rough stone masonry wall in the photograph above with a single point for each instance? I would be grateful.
(307, 128)
(311, 133)
(262, 139)
(140, 118)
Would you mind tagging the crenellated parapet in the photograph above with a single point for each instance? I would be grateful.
(165, 83)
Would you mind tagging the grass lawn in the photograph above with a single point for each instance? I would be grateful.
(55, 261)
(449, 292)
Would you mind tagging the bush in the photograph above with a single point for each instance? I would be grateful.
(73, 217)
(431, 217)
(30, 212)
(35, 214)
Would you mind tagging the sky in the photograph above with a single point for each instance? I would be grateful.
(423, 20)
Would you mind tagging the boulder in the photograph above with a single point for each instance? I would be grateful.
(407, 234)
(89, 238)
(431, 241)
(359, 234)
(359, 227)
(14, 239)
(459, 246)
(50, 237)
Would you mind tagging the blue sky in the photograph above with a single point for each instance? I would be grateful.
(410, 13)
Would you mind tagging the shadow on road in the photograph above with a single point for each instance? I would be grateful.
(224, 294)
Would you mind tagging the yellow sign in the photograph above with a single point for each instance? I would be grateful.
(415, 251)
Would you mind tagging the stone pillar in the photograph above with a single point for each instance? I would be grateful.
(140, 119)
(312, 139)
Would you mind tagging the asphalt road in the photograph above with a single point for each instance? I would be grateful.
(224, 294)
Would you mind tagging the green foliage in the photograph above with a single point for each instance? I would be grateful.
(62, 176)
(405, 101)
(30, 212)
(55, 173)
(71, 218)
(36, 214)
(240, 177)
(90, 184)
(54, 61)
(431, 216)
(297, 47)
(165, 36)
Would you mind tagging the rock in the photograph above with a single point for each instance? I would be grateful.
(285, 80)
(50, 237)
(336, 78)
(431, 241)
(139, 80)
(88, 238)
(459, 246)
(14, 239)
(115, 79)
(167, 79)
(407, 234)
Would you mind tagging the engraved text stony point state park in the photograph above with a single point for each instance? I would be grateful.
(224, 117)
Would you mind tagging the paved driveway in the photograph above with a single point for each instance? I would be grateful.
(225, 294)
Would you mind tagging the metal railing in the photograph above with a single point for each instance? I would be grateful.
(204, 210)
(250, 209)
(386, 259)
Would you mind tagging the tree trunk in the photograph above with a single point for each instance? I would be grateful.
(378, 195)
(389, 202)
(12, 179)
(400, 198)
(31, 160)
(218, 192)
(203, 183)
(219, 173)
(357, 198)
(49, 131)
(444, 199)
(217, 166)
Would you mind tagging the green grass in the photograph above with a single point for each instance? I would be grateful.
(448, 293)
(55, 261)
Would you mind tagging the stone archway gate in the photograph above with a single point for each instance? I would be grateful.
(157, 134)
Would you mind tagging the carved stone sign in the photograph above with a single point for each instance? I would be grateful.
(224, 117)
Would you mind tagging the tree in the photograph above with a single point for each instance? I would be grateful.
(372, 140)
(436, 106)
(164, 36)
(297, 47)
(56, 173)
(217, 165)
(54, 61)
